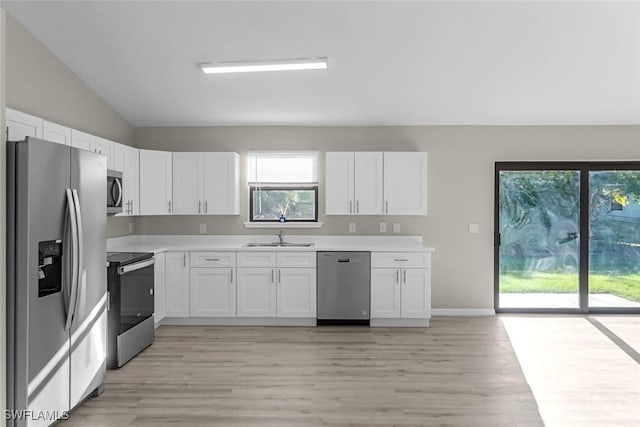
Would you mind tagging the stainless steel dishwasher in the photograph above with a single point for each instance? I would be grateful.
(344, 288)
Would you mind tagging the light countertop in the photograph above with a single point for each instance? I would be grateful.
(164, 243)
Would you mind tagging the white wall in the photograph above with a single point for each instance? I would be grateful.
(461, 171)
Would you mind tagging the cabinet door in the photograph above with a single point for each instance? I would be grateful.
(155, 182)
(416, 293)
(368, 183)
(126, 160)
(106, 148)
(339, 186)
(213, 292)
(56, 133)
(158, 286)
(405, 183)
(81, 140)
(296, 292)
(187, 183)
(256, 292)
(385, 292)
(22, 125)
(221, 184)
(176, 284)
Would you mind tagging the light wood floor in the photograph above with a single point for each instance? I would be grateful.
(458, 372)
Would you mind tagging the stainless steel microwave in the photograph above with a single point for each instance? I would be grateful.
(114, 192)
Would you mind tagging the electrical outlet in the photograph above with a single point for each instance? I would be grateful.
(383, 227)
(396, 227)
(203, 228)
(474, 228)
(130, 227)
(352, 227)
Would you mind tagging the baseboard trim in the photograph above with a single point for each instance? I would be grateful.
(400, 323)
(239, 321)
(463, 312)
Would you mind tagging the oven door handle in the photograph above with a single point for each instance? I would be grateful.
(137, 266)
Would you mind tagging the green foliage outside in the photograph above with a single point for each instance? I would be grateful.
(540, 239)
(294, 204)
(624, 286)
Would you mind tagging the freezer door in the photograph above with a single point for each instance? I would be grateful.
(89, 326)
(38, 345)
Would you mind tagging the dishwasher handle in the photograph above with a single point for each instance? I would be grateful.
(344, 260)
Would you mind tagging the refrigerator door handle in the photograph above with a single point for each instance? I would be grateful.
(80, 281)
(119, 198)
(71, 299)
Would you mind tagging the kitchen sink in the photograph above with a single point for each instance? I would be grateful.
(279, 245)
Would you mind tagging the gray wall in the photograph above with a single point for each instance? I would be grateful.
(39, 84)
(461, 167)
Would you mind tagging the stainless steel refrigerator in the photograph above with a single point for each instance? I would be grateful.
(56, 280)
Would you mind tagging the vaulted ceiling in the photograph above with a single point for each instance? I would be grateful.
(390, 62)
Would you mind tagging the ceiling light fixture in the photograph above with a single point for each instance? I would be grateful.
(256, 66)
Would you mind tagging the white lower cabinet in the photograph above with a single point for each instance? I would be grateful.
(401, 286)
(296, 292)
(176, 284)
(256, 292)
(158, 287)
(213, 292)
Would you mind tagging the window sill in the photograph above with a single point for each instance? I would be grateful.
(282, 225)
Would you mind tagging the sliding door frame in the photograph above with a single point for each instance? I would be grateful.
(583, 167)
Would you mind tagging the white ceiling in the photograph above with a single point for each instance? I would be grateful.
(390, 63)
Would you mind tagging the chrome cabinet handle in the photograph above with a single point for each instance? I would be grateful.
(212, 259)
(185, 259)
(386, 203)
(400, 259)
(279, 276)
(271, 275)
(206, 206)
(357, 206)
(350, 206)
(169, 206)
(232, 275)
(404, 276)
(397, 276)
(199, 206)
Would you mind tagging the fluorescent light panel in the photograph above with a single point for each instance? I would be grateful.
(255, 66)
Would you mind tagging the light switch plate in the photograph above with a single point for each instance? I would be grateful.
(130, 227)
(383, 227)
(396, 227)
(203, 228)
(474, 228)
(352, 227)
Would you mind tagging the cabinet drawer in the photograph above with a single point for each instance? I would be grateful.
(296, 259)
(256, 259)
(400, 260)
(213, 259)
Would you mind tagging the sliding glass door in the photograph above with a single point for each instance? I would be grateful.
(614, 238)
(541, 262)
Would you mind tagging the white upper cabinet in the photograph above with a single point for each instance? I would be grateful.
(353, 183)
(339, 183)
(106, 148)
(56, 133)
(206, 183)
(376, 183)
(126, 160)
(221, 183)
(21, 125)
(188, 181)
(405, 183)
(81, 140)
(155, 182)
(368, 183)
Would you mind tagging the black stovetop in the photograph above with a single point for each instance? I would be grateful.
(125, 258)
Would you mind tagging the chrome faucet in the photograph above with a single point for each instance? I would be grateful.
(280, 235)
